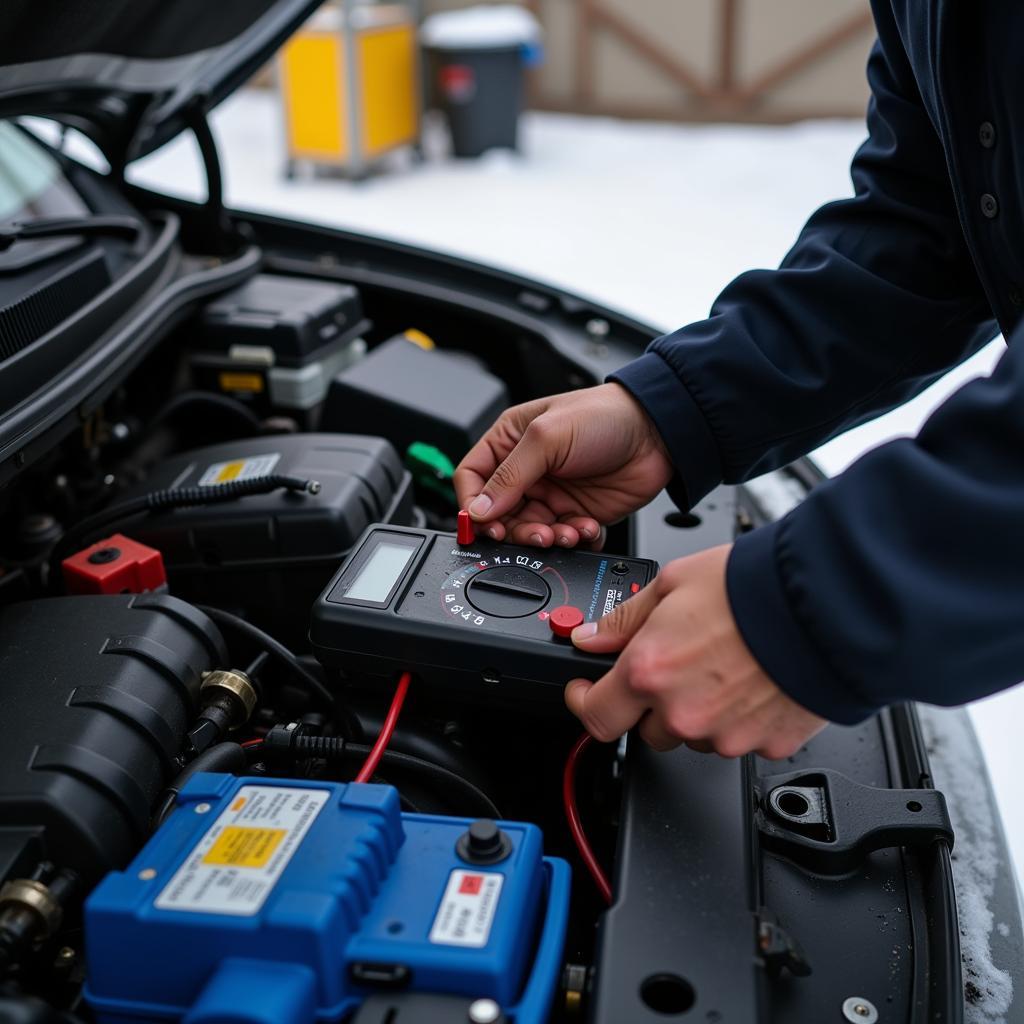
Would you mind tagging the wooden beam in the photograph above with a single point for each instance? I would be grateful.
(695, 112)
(584, 53)
(669, 64)
(727, 24)
(805, 57)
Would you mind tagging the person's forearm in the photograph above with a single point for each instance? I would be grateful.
(901, 579)
(878, 298)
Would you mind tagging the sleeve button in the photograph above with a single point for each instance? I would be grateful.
(989, 205)
(987, 134)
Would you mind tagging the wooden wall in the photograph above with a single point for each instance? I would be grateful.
(701, 60)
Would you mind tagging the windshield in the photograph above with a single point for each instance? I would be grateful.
(27, 173)
(32, 185)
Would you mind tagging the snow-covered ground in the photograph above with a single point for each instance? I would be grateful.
(652, 219)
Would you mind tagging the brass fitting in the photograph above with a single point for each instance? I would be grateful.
(232, 690)
(30, 904)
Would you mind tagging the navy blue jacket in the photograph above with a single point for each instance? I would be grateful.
(903, 578)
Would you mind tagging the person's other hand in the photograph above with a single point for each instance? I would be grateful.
(685, 673)
(555, 470)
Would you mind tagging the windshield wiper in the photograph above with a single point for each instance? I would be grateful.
(55, 227)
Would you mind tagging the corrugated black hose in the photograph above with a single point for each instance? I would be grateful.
(175, 497)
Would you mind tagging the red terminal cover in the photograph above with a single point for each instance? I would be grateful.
(116, 565)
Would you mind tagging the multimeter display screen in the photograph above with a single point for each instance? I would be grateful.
(380, 572)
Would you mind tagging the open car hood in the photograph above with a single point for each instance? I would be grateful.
(130, 73)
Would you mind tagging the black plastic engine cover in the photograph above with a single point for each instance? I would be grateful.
(98, 693)
(269, 555)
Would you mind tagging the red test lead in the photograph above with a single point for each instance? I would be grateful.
(465, 535)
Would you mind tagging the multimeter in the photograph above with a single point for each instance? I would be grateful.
(487, 620)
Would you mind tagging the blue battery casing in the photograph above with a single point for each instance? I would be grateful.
(267, 900)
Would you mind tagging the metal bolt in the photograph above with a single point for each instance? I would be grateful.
(859, 1010)
(66, 955)
(147, 874)
(598, 328)
(203, 808)
(484, 1011)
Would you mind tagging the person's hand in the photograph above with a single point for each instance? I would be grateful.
(555, 470)
(685, 673)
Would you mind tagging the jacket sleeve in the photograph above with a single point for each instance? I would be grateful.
(877, 299)
(901, 579)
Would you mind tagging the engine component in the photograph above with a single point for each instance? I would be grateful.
(294, 901)
(410, 393)
(272, 553)
(98, 693)
(31, 910)
(114, 565)
(228, 698)
(491, 621)
(276, 342)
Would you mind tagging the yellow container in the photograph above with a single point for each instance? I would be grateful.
(350, 85)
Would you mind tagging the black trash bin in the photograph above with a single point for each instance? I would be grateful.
(481, 93)
(478, 59)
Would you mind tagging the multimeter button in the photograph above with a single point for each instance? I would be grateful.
(634, 588)
(564, 619)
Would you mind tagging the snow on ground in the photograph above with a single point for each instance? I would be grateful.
(652, 219)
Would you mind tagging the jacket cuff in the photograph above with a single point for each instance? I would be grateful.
(776, 638)
(690, 443)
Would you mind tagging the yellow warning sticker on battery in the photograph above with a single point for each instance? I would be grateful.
(239, 847)
(239, 469)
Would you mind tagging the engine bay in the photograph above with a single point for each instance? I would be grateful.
(179, 770)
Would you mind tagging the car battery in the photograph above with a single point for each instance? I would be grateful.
(267, 901)
(412, 393)
(276, 342)
(271, 554)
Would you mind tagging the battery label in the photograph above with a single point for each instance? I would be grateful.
(467, 908)
(239, 469)
(236, 864)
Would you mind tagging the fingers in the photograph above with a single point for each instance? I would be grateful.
(653, 732)
(615, 630)
(532, 457)
(606, 708)
(480, 463)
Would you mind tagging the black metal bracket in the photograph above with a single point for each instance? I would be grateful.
(829, 823)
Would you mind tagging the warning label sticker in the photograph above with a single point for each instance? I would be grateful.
(239, 469)
(467, 908)
(236, 864)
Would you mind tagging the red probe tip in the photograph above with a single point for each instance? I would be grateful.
(465, 534)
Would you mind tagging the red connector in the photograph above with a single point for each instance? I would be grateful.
(116, 565)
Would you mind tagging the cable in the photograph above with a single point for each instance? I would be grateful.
(297, 745)
(255, 667)
(373, 759)
(217, 404)
(223, 757)
(572, 816)
(170, 498)
(272, 647)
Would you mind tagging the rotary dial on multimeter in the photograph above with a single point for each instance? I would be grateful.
(405, 596)
(502, 587)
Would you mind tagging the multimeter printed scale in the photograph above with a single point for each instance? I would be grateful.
(485, 619)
